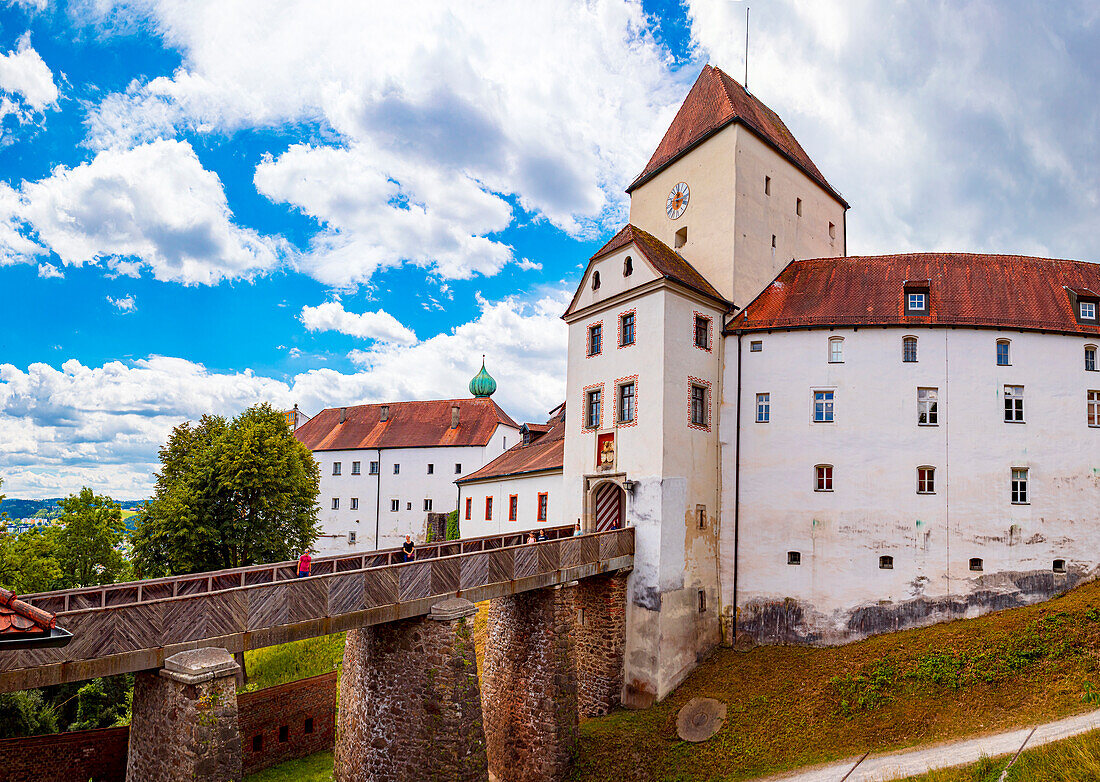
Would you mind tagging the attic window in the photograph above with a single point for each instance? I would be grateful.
(916, 298)
(1087, 310)
(681, 238)
(595, 281)
(628, 267)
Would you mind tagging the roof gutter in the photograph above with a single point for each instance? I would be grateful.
(56, 638)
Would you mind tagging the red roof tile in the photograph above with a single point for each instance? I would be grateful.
(714, 101)
(545, 453)
(22, 619)
(965, 289)
(409, 425)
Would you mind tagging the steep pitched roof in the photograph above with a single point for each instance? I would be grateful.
(409, 425)
(714, 101)
(965, 289)
(545, 453)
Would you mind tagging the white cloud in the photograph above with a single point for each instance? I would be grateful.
(380, 325)
(151, 207)
(26, 77)
(528, 265)
(125, 305)
(48, 271)
(61, 429)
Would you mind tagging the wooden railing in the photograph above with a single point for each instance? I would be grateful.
(131, 627)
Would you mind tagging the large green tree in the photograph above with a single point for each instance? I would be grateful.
(28, 562)
(89, 535)
(229, 493)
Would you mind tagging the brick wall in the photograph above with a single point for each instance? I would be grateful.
(100, 755)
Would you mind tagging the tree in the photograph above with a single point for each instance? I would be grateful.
(229, 494)
(89, 534)
(27, 561)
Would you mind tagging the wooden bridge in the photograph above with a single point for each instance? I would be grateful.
(134, 626)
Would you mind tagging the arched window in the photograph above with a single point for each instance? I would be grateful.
(628, 267)
(976, 564)
(909, 349)
(836, 350)
(1002, 352)
(886, 562)
(595, 281)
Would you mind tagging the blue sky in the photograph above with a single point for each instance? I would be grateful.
(208, 204)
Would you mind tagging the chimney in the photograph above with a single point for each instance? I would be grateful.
(384, 415)
(343, 414)
(454, 416)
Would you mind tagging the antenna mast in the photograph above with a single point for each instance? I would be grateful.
(746, 48)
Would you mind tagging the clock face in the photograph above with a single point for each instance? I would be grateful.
(677, 202)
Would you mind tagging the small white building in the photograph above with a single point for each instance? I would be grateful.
(522, 488)
(385, 467)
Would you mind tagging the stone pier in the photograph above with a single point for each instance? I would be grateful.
(599, 634)
(530, 687)
(410, 707)
(184, 724)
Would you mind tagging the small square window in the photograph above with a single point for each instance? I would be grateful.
(355, 468)
(756, 346)
(976, 564)
(763, 408)
(1059, 566)
(794, 558)
(886, 562)
(916, 302)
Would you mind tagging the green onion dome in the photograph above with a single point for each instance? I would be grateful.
(483, 385)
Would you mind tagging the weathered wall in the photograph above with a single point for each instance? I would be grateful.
(530, 687)
(66, 757)
(599, 639)
(306, 709)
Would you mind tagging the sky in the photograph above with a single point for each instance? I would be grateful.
(206, 204)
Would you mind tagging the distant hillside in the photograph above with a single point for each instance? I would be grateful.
(25, 509)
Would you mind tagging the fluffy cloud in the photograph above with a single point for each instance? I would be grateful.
(63, 428)
(441, 112)
(125, 304)
(153, 206)
(380, 325)
(27, 80)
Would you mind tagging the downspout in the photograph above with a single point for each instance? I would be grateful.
(737, 490)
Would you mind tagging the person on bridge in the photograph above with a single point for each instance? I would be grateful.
(305, 564)
(577, 528)
(407, 550)
(531, 537)
(542, 536)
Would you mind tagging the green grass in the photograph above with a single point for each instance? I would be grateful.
(314, 768)
(1076, 758)
(274, 665)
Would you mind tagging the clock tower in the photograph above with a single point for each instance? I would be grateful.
(732, 191)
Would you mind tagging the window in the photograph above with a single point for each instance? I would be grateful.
(832, 230)
(284, 733)
(976, 563)
(355, 468)
(928, 407)
(836, 350)
(628, 267)
(794, 558)
(823, 477)
(798, 206)
(909, 349)
(767, 185)
(374, 468)
(488, 508)
(351, 537)
(458, 468)
(916, 302)
(544, 501)
(397, 469)
(513, 507)
(595, 339)
(257, 743)
(681, 238)
(336, 503)
(355, 503)
(702, 332)
(431, 469)
(1002, 353)
(926, 480)
(595, 281)
(1014, 404)
(626, 403)
(886, 562)
(427, 505)
(593, 411)
(1090, 358)
(698, 405)
(1087, 310)
(773, 242)
(408, 506)
(701, 516)
(1094, 408)
(823, 407)
(763, 408)
(702, 601)
(1059, 566)
(336, 468)
(469, 507)
(395, 505)
(307, 727)
(756, 346)
(626, 329)
(1019, 486)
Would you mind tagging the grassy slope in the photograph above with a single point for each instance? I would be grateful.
(274, 665)
(315, 768)
(793, 706)
(1076, 758)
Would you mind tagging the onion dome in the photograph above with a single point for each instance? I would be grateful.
(483, 385)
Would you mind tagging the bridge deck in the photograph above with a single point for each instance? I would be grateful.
(133, 626)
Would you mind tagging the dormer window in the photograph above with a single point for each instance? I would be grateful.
(1086, 305)
(1087, 310)
(595, 281)
(628, 267)
(916, 302)
(915, 296)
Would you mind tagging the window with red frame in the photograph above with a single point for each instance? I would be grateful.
(513, 507)
(469, 507)
(488, 508)
(824, 477)
(544, 501)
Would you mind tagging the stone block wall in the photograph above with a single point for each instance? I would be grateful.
(290, 721)
(599, 634)
(66, 757)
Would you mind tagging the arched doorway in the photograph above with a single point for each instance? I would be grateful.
(609, 506)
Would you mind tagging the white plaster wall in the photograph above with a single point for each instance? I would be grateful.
(527, 489)
(876, 446)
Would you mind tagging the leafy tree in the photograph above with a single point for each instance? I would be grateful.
(89, 534)
(25, 713)
(27, 561)
(229, 493)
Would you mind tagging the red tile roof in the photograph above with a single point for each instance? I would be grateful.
(545, 453)
(22, 619)
(714, 101)
(409, 425)
(965, 289)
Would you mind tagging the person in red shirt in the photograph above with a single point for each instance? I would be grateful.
(305, 564)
